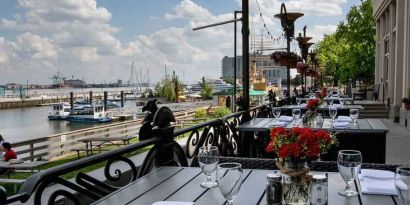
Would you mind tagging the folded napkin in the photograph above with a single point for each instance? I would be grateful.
(336, 105)
(344, 119)
(303, 105)
(377, 182)
(277, 124)
(285, 119)
(173, 203)
(340, 124)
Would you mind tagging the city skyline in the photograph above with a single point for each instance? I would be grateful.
(98, 40)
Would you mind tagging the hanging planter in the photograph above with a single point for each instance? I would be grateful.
(286, 59)
(300, 67)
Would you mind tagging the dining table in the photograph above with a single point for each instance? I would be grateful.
(182, 184)
(367, 136)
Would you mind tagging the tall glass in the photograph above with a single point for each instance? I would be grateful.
(296, 114)
(341, 102)
(298, 101)
(402, 183)
(276, 113)
(354, 114)
(349, 164)
(208, 158)
(333, 113)
(330, 102)
(229, 178)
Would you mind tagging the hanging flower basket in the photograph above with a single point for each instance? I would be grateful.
(286, 59)
(300, 67)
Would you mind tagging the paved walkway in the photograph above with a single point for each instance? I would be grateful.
(397, 143)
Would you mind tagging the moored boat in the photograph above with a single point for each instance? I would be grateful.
(60, 111)
(89, 114)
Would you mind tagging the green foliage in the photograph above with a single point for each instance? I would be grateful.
(166, 89)
(200, 113)
(350, 51)
(220, 112)
(229, 80)
(297, 80)
(207, 90)
(148, 93)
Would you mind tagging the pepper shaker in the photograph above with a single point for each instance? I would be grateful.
(274, 189)
(318, 190)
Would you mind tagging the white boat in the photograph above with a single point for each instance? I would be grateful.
(89, 114)
(219, 85)
(60, 111)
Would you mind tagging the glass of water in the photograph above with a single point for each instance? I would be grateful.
(332, 113)
(349, 164)
(296, 114)
(341, 102)
(402, 183)
(229, 178)
(298, 101)
(330, 102)
(354, 114)
(208, 158)
(276, 113)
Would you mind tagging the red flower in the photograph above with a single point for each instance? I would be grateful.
(323, 135)
(313, 103)
(277, 131)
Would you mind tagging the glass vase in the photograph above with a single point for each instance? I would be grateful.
(296, 183)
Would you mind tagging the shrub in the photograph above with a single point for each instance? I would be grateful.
(200, 113)
(220, 112)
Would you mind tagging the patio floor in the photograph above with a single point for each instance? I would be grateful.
(397, 145)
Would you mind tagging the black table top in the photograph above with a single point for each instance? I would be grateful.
(363, 125)
(182, 184)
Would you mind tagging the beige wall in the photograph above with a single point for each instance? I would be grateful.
(393, 50)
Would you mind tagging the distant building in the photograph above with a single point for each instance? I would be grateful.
(392, 70)
(272, 72)
(75, 83)
(12, 86)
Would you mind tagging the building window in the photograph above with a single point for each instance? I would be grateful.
(386, 46)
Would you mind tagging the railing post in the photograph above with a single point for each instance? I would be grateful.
(31, 151)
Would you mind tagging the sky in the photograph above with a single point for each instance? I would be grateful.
(97, 40)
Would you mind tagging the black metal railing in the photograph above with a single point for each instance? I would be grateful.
(165, 151)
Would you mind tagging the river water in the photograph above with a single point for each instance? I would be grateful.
(22, 124)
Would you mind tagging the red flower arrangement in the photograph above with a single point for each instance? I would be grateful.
(313, 104)
(299, 143)
(322, 94)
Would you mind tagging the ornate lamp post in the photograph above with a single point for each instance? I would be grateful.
(304, 48)
(287, 21)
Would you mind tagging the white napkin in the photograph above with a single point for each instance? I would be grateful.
(340, 124)
(277, 124)
(377, 182)
(336, 105)
(303, 105)
(285, 119)
(173, 203)
(344, 119)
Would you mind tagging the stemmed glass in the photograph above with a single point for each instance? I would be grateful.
(402, 183)
(349, 164)
(276, 113)
(229, 178)
(298, 101)
(296, 114)
(208, 158)
(330, 102)
(333, 113)
(354, 114)
(341, 102)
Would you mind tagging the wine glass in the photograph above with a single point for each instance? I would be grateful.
(229, 178)
(402, 183)
(349, 164)
(330, 102)
(298, 101)
(341, 102)
(354, 114)
(333, 113)
(208, 160)
(296, 114)
(276, 113)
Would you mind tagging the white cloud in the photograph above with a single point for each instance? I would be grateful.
(319, 31)
(33, 46)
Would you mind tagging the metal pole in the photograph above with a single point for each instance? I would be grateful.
(72, 100)
(234, 63)
(105, 100)
(122, 98)
(216, 24)
(288, 67)
(245, 52)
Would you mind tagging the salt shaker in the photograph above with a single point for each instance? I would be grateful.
(274, 189)
(318, 190)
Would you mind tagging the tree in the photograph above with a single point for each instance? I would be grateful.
(297, 80)
(166, 89)
(206, 90)
(350, 51)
